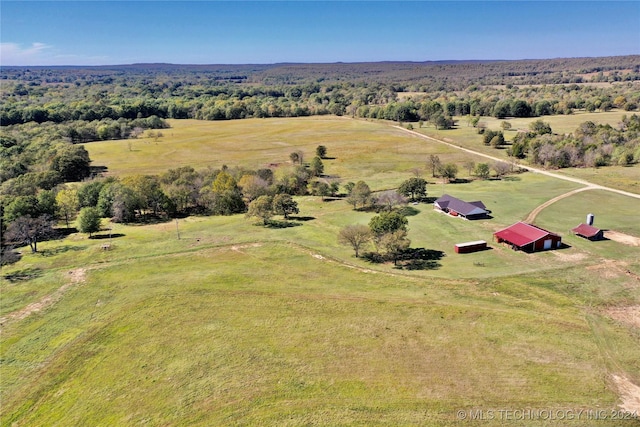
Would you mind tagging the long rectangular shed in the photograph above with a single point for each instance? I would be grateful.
(469, 247)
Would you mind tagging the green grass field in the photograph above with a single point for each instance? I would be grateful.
(361, 149)
(237, 324)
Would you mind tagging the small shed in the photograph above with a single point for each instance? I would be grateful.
(456, 207)
(469, 247)
(528, 237)
(588, 232)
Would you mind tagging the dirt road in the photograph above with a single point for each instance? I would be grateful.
(529, 168)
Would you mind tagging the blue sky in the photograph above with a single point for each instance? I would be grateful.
(240, 32)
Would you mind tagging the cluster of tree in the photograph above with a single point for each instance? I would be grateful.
(27, 205)
(387, 233)
(44, 155)
(494, 138)
(590, 145)
(360, 196)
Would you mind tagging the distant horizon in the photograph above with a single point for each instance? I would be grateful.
(108, 33)
(437, 61)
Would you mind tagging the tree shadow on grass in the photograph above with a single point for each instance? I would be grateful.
(23, 275)
(274, 223)
(302, 218)
(409, 259)
(429, 199)
(106, 236)
(408, 211)
(98, 170)
(63, 232)
(420, 259)
(60, 250)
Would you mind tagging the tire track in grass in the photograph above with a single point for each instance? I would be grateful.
(534, 213)
(76, 276)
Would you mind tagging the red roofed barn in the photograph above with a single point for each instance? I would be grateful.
(528, 238)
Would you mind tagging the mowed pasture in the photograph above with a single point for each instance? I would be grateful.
(362, 149)
(237, 324)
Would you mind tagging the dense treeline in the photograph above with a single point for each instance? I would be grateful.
(62, 94)
(591, 145)
(31, 151)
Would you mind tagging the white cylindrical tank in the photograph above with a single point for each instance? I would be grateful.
(590, 218)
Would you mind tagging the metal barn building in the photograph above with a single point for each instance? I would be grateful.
(528, 238)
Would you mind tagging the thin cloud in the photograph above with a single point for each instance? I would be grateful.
(15, 54)
(42, 54)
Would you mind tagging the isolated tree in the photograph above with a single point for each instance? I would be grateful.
(434, 164)
(321, 151)
(334, 186)
(497, 141)
(501, 168)
(360, 194)
(482, 170)
(505, 125)
(89, 220)
(26, 229)
(449, 171)
(316, 167)
(390, 199)
(539, 127)
(394, 243)
(262, 208)
(67, 202)
(283, 204)
(387, 222)
(297, 157)
(355, 236)
(320, 188)
(349, 186)
(414, 187)
(470, 166)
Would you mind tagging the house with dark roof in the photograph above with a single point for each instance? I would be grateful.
(457, 207)
(588, 232)
(528, 237)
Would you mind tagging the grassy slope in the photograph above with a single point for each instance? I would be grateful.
(235, 324)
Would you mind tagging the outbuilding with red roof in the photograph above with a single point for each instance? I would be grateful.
(528, 237)
(588, 232)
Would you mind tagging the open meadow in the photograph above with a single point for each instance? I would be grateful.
(216, 320)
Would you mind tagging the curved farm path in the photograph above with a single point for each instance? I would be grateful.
(534, 213)
(76, 277)
(529, 168)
